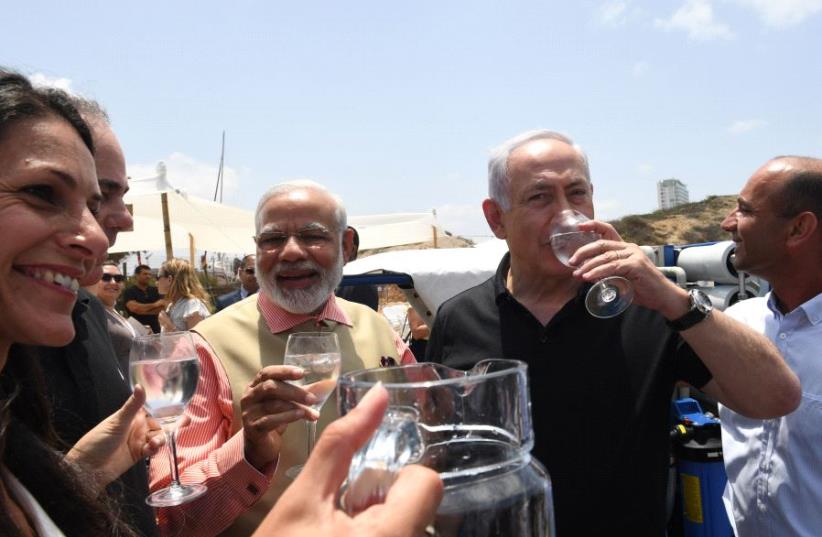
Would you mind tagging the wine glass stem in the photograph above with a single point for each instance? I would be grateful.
(311, 434)
(170, 431)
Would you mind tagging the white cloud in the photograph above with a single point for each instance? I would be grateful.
(783, 13)
(645, 168)
(746, 125)
(613, 13)
(639, 69)
(44, 81)
(190, 175)
(696, 17)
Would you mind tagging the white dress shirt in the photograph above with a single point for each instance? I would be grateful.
(774, 466)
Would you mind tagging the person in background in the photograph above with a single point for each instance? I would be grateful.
(600, 388)
(49, 196)
(248, 283)
(367, 295)
(121, 330)
(247, 419)
(142, 299)
(84, 382)
(419, 332)
(774, 482)
(187, 300)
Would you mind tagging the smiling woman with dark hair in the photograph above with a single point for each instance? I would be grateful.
(49, 197)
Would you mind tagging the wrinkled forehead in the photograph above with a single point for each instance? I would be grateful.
(546, 157)
(298, 209)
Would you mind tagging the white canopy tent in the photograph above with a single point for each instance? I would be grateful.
(384, 230)
(197, 224)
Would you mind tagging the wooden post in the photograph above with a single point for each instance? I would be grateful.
(191, 250)
(434, 226)
(166, 225)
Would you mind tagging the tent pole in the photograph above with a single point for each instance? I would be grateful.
(434, 226)
(166, 225)
(191, 250)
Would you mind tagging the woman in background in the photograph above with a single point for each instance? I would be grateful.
(188, 302)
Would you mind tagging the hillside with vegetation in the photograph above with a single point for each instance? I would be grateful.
(685, 224)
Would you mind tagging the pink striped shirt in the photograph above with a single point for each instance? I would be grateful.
(207, 452)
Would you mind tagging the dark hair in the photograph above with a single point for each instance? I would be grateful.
(243, 260)
(90, 109)
(31, 451)
(356, 241)
(19, 101)
(801, 192)
(28, 444)
(356, 238)
(141, 268)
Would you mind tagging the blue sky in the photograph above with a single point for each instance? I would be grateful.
(394, 105)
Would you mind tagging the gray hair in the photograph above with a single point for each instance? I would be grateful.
(340, 216)
(498, 180)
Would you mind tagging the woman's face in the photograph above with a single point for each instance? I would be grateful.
(51, 241)
(163, 282)
(108, 289)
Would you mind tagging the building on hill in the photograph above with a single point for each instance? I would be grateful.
(671, 192)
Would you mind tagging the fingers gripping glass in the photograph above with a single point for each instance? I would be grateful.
(118, 278)
(318, 354)
(609, 296)
(167, 368)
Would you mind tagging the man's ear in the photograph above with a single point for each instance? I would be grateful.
(493, 215)
(347, 245)
(802, 228)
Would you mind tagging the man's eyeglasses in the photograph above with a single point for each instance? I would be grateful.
(118, 278)
(310, 238)
(249, 271)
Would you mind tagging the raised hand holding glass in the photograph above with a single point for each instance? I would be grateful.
(318, 354)
(609, 296)
(167, 368)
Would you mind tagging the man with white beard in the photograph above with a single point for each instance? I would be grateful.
(239, 443)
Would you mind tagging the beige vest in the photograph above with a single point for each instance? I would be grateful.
(244, 344)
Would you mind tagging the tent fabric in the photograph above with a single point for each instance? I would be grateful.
(438, 274)
(216, 227)
(384, 230)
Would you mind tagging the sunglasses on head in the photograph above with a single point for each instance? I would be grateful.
(116, 277)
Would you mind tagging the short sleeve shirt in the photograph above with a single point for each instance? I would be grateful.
(148, 296)
(600, 398)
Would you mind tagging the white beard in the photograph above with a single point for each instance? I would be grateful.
(306, 300)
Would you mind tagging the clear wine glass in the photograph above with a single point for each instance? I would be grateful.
(318, 354)
(609, 296)
(167, 368)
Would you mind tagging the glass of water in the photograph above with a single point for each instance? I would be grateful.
(167, 368)
(318, 354)
(609, 296)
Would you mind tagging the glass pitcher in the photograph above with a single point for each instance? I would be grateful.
(474, 428)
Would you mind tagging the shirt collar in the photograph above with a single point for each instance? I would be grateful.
(812, 308)
(501, 282)
(279, 320)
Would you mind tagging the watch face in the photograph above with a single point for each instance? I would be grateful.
(702, 302)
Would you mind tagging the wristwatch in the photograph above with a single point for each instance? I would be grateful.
(701, 308)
